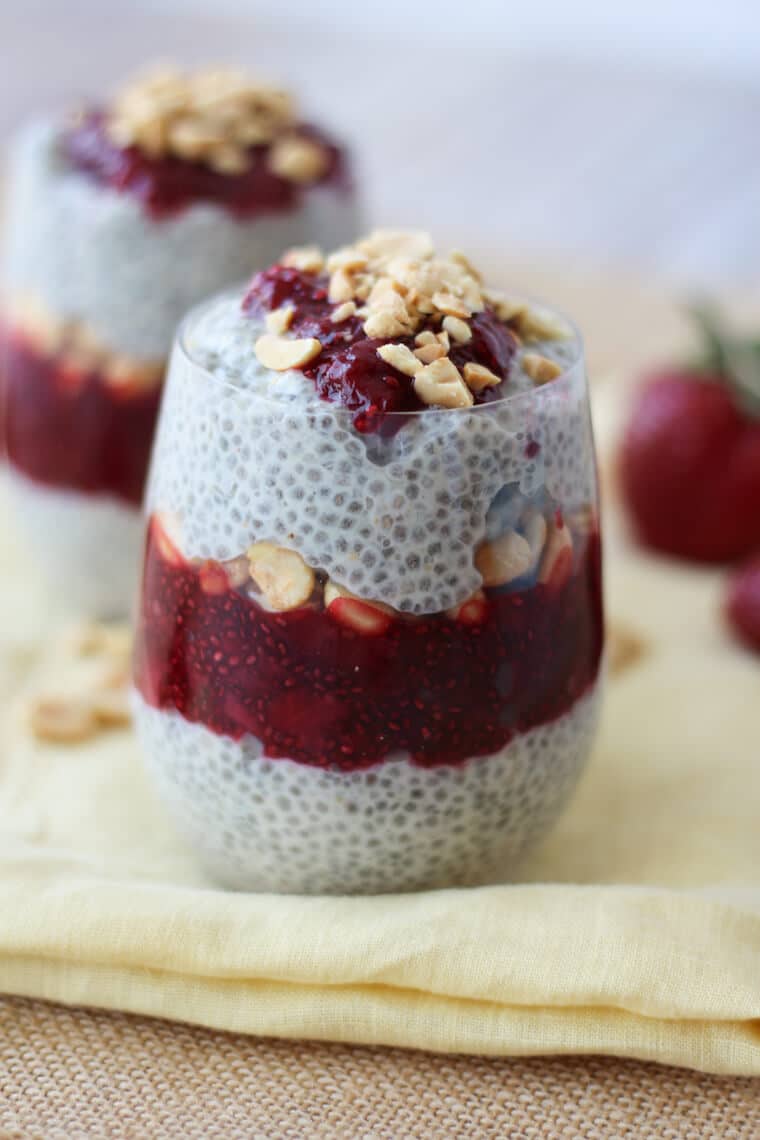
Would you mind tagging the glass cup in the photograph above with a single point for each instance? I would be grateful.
(96, 280)
(367, 662)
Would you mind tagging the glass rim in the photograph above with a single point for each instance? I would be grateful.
(537, 393)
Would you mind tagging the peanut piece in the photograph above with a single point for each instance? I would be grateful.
(343, 312)
(281, 574)
(477, 377)
(503, 560)
(439, 383)
(281, 354)
(540, 368)
(307, 258)
(280, 320)
(62, 720)
(400, 357)
(458, 330)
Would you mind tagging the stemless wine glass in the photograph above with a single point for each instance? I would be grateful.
(110, 237)
(367, 661)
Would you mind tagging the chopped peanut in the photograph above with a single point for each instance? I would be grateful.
(477, 377)
(281, 574)
(440, 384)
(540, 368)
(280, 320)
(400, 357)
(280, 354)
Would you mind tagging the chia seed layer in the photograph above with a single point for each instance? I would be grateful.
(276, 825)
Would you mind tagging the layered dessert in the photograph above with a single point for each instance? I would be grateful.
(370, 628)
(120, 218)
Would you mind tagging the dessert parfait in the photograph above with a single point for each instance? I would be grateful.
(119, 218)
(370, 628)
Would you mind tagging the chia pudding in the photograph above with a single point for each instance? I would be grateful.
(119, 219)
(370, 627)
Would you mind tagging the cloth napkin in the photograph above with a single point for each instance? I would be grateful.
(633, 930)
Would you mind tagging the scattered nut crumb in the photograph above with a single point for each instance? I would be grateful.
(62, 720)
(624, 647)
(307, 258)
(453, 306)
(280, 320)
(477, 377)
(298, 159)
(533, 324)
(506, 558)
(111, 708)
(283, 577)
(427, 353)
(341, 289)
(440, 384)
(343, 312)
(458, 330)
(401, 358)
(540, 368)
(281, 354)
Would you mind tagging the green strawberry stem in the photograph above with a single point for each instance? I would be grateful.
(735, 358)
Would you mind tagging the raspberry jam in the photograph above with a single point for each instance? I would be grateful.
(348, 370)
(442, 689)
(69, 429)
(167, 185)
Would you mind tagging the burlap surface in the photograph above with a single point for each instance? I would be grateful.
(66, 1074)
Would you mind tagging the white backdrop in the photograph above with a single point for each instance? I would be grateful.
(575, 129)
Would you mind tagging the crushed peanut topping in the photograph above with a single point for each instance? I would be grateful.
(477, 377)
(440, 383)
(213, 116)
(343, 312)
(540, 368)
(427, 353)
(402, 282)
(457, 329)
(307, 258)
(298, 159)
(280, 320)
(400, 357)
(281, 354)
(401, 290)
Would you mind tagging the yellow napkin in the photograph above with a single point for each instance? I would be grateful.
(635, 930)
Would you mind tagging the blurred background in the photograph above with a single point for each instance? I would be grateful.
(608, 136)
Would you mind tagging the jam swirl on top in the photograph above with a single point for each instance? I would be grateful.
(348, 371)
(387, 325)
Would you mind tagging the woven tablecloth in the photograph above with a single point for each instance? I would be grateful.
(69, 1075)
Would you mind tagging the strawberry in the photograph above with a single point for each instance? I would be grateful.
(362, 617)
(690, 458)
(742, 603)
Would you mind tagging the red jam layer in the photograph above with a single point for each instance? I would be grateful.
(69, 429)
(348, 370)
(313, 690)
(167, 185)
